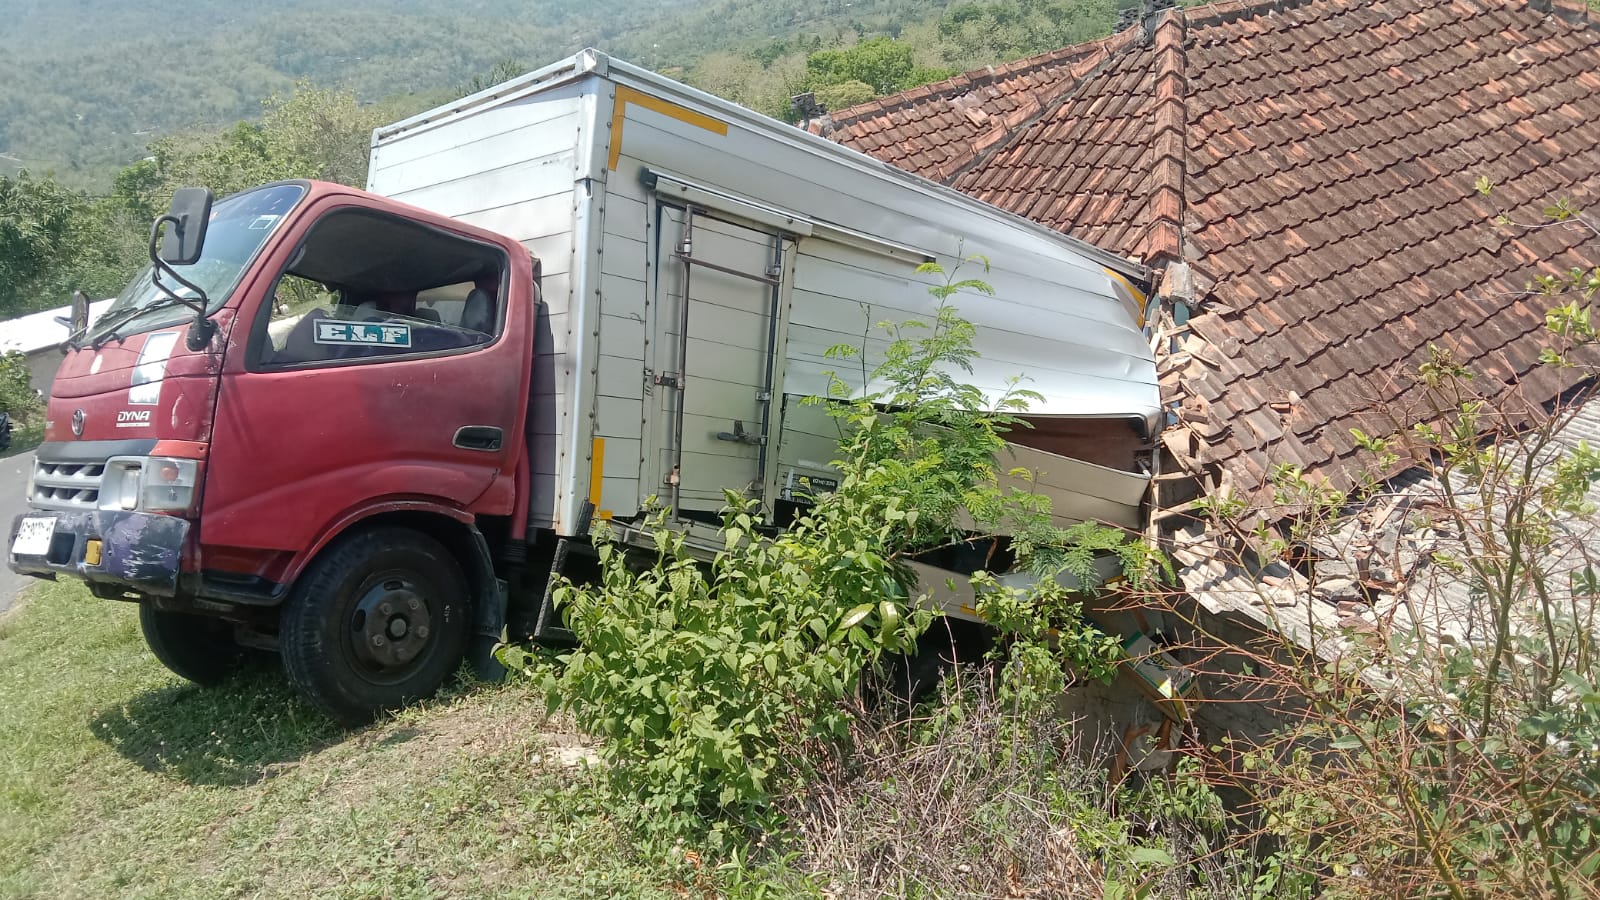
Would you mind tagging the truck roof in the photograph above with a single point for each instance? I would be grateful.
(594, 63)
(40, 331)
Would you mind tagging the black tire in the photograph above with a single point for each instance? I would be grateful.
(914, 677)
(378, 621)
(194, 647)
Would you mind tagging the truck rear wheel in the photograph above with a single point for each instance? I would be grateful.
(914, 677)
(194, 647)
(379, 620)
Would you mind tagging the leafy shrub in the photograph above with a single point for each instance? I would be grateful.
(699, 678)
(17, 397)
(715, 684)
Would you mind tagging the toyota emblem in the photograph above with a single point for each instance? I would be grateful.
(77, 422)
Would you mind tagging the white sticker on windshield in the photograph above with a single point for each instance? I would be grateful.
(386, 334)
(145, 387)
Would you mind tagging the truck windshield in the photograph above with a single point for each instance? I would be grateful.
(240, 225)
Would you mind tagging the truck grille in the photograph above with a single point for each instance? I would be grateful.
(65, 485)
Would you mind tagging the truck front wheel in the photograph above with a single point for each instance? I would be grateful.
(377, 621)
(194, 647)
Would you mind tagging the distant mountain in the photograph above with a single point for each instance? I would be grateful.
(85, 85)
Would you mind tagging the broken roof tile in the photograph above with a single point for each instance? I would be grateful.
(1323, 175)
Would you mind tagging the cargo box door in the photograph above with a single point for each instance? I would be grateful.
(715, 327)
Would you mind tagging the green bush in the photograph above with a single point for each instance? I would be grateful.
(703, 680)
(17, 397)
(714, 684)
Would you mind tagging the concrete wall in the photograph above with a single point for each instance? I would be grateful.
(42, 365)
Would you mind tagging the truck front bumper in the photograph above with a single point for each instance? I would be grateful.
(125, 551)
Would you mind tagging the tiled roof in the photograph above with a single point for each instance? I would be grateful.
(1314, 161)
(937, 129)
(1124, 193)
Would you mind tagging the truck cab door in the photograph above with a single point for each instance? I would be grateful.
(378, 371)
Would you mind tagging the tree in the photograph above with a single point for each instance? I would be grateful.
(845, 94)
(728, 75)
(53, 241)
(313, 132)
(38, 232)
(503, 71)
(17, 398)
(320, 133)
(971, 34)
(883, 63)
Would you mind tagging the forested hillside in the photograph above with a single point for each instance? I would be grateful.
(106, 107)
(87, 85)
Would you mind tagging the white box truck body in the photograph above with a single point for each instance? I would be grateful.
(698, 259)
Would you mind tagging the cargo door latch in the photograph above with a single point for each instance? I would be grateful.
(739, 436)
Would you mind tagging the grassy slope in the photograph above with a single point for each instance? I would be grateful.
(117, 779)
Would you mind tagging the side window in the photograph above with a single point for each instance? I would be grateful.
(296, 300)
(463, 305)
(364, 286)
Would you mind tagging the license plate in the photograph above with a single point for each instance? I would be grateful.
(33, 536)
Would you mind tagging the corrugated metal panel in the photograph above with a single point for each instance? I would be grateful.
(507, 159)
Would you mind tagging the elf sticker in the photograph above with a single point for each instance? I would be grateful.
(364, 334)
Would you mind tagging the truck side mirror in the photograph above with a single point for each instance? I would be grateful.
(76, 321)
(80, 313)
(187, 217)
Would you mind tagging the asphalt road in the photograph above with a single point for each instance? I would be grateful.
(13, 486)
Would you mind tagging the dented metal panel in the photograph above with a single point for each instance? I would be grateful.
(1078, 491)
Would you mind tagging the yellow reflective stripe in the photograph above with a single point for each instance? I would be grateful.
(1138, 295)
(626, 95)
(597, 470)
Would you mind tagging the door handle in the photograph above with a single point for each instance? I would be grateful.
(739, 436)
(479, 437)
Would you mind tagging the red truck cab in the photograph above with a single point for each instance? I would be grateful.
(329, 469)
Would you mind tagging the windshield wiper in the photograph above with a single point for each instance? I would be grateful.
(108, 331)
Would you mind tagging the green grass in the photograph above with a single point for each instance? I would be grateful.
(119, 780)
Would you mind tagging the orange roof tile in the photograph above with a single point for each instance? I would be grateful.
(1315, 161)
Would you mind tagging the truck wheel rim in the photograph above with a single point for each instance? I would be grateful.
(391, 626)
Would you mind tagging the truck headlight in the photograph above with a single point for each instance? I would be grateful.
(169, 484)
(149, 483)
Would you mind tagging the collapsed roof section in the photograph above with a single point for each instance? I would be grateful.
(1304, 171)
